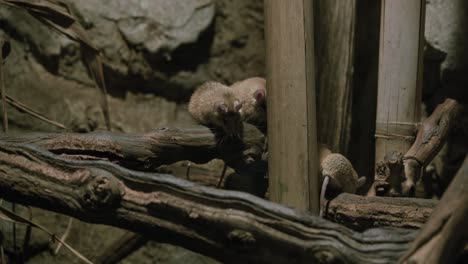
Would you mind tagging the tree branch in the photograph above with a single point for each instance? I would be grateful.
(230, 226)
(147, 151)
(445, 234)
(360, 212)
(142, 151)
(398, 174)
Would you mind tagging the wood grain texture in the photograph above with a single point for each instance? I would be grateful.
(399, 174)
(361, 212)
(356, 212)
(334, 39)
(147, 151)
(232, 227)
(400, 74)
(292, 137)
(445, 234)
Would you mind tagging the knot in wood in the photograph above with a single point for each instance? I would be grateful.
(324, 256)
(101, 192)
(394, 158)
(382, 171)
(242, 239)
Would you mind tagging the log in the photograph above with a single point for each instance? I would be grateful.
(148, 151)
(232, 227)
(361, 213)
(356, 212)
(445, 235)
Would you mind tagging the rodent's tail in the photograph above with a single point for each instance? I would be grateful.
(326, 179)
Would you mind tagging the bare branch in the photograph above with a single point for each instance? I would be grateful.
(445, 234)
(230, 226)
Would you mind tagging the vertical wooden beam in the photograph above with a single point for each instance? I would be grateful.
(400, 75)
(334, 34)
(292, 136)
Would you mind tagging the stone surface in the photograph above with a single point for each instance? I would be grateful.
(446, 30)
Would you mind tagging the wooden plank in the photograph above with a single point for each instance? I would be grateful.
(400, 75)
(334, 35)
(292, 136)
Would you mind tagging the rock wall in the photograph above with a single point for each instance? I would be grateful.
(155, 53)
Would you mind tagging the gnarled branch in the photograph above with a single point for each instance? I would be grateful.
(398, 173)
(146, 151)
(230, 226)
(445, 234)
(141, 151)
(360, 212)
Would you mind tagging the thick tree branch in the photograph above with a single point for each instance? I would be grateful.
(398, 173)
(230, 226)
(132, 150)
(445, 234)
(147, 151)
(361, 213)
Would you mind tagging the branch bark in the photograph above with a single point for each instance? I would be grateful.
(230, 226)
(361, 213)
(398, 174)
(147, 151)
(445, 234)
(131, 150)
(432, 134)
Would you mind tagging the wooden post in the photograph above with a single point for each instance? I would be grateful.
(400, 75)
(292, 136)
(334, 35)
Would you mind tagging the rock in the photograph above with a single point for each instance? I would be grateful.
(132, 35)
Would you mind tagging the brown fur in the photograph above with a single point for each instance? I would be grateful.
(340, 169)
(337, 171)
(253, 111)
(214, 104)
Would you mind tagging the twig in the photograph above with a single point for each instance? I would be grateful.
(2, 84)
(64, 236)
(222, 176)
(27, 235)
(15, 218)
(5, 124)
(57, 15)
(187, 173)
(26, 109)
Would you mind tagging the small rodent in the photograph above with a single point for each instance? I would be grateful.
(252, 93)
(338, 176)
(215, 104)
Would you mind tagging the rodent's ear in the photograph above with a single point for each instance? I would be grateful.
(221, 107)
(260, 95)
(361, 181)
(237, 105)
